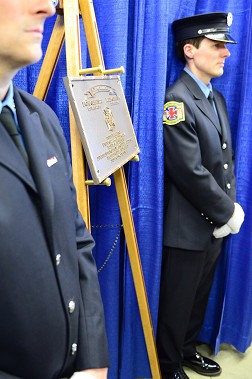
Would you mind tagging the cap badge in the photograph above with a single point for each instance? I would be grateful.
(174, 112)
(229, 19)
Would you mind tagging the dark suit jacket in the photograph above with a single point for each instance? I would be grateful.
(46, 259)
(198, 168)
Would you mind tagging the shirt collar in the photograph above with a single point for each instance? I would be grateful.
(204, 88)
(9, 99)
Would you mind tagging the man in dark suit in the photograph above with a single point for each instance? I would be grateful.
(200, 206)
(51, 321)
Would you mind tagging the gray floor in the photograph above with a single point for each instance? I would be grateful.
(234, 365)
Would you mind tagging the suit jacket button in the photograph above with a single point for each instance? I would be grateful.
(224, 146)
(225, 166)
(58, 259)
(228, 185)
(71, 306)
(74, 348)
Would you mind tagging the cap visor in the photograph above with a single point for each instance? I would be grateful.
(220, 37)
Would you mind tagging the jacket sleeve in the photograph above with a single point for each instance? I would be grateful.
(92, 344)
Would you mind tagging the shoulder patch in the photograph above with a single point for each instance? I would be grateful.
(174, 112)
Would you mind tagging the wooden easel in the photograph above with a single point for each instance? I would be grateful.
(67, 27)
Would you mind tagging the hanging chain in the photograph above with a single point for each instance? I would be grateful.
(113, 245)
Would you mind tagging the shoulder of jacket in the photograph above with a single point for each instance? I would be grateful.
(33, 103)
(177, 90)
(178, 101)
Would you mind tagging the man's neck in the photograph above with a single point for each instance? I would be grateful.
(204, 88)
(204, 78)
(3, 91)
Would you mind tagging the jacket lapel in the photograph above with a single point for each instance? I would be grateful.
(222, 116)
(201, 100)
(11, 159)
(35, 143)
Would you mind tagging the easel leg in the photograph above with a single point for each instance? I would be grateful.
(129, 230)
(42, 86)
(50, 60)
(73, 58)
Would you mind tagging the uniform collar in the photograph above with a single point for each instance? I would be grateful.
(9, 99)
(204, 88)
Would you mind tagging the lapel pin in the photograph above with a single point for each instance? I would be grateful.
(51, 161)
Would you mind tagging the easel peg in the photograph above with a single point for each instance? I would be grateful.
(90, 70)
(106, 182)
(119, 70)
(135, 158)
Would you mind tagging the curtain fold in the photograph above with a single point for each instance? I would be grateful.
(137, 35)
(146, 177)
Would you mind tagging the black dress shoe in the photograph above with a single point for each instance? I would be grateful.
(202, 365)
(179, 374)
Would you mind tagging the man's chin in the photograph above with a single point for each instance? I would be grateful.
(219, 73)
(31, 59)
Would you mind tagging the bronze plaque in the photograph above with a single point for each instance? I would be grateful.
(104, 123)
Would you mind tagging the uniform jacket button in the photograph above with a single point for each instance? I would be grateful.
(224, 146)
(228, 185)
(225, 166)
(74, 348)
(58, 259)
(71, 306)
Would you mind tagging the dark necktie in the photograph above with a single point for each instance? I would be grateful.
(7, 119)
(211, 98)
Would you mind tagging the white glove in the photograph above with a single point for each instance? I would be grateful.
(233, 225)
(222, 231)
(237, 219)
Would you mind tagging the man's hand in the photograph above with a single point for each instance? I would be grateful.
(95, 373)
(233, 225)
(237, 219)
(221, 232)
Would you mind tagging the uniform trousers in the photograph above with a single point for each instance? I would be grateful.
(186, 281)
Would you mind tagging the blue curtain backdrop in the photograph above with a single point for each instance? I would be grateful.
(137, 34)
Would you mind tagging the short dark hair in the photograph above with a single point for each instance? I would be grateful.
(180, 47)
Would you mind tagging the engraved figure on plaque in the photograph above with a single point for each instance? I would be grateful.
(109, 119)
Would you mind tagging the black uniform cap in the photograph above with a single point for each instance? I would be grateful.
(214, 26)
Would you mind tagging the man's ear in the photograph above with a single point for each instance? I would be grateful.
(189, 50)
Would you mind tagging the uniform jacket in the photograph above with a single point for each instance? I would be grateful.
(199, 173)
(51, 318)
